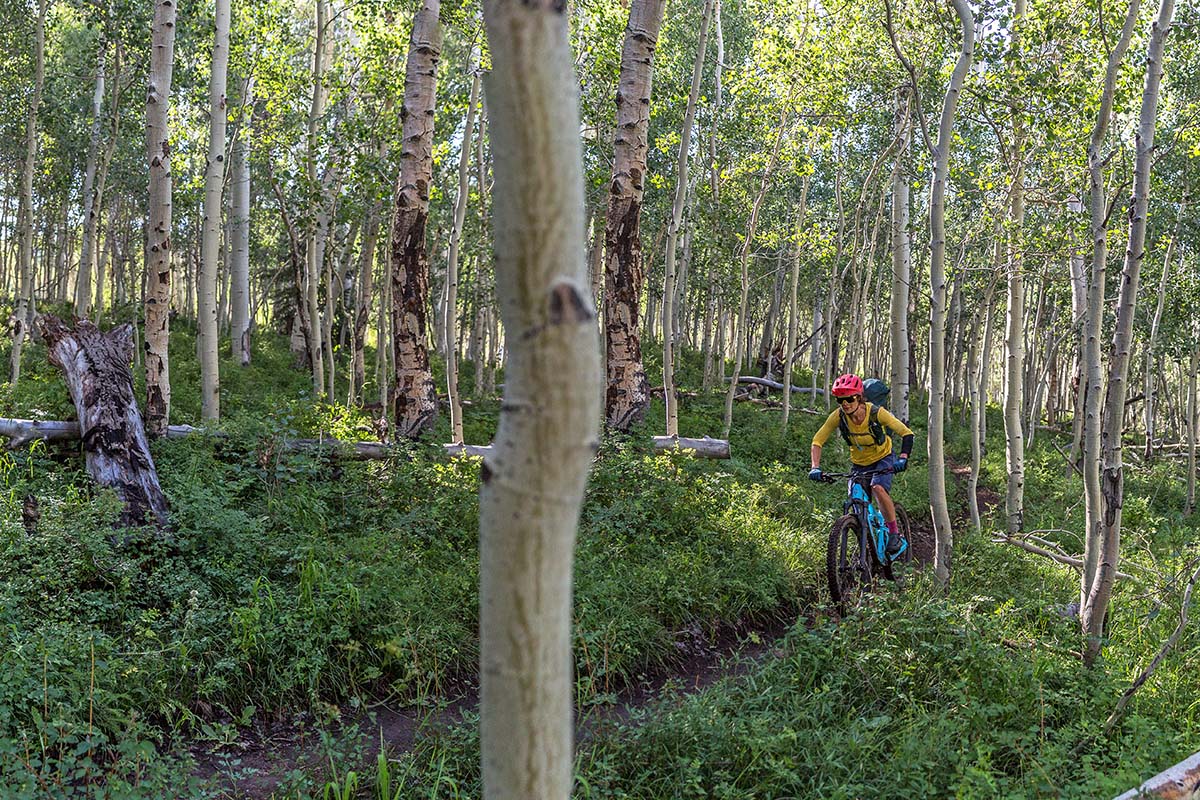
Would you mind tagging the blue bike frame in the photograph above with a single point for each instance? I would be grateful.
(871, 521)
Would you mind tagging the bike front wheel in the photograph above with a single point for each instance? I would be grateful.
(847, 564)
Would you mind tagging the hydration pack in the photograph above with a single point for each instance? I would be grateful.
(874, 426)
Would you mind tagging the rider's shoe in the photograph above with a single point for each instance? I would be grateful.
(895, 544)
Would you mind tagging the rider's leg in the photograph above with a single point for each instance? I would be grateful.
(883, 501)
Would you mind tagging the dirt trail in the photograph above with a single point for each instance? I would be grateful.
(256, 764)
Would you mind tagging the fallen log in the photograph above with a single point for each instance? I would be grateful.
(1180, 782)
(479, 450)
(779, 386)
(99, 378)
(703, 448)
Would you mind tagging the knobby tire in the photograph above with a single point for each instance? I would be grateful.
(846, 566)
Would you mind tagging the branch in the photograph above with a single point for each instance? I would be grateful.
(1070, 561)
(1166, 648)
(912, 75)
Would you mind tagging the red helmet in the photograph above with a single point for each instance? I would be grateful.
(847, 386)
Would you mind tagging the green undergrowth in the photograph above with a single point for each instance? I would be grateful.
(306, 583)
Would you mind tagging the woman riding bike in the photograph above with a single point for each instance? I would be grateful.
(862, 426)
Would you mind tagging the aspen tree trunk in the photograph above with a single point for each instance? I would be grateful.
(1097, 213)
(91, 210)
(214, 183)
(24, 301)
(1152, 341)
(681, 188)
(239, 289)
(901, 265)
(741, 332)
(414, 399)
(314, 249)
(1112, 480)
(533, 481)
(158, 226)
(1014, 343)
(362, 306)
(628, 394)
(793, 291)
(975, 397)
(714, 183)
(1191, 423)
(460, 216)
(938, 506)
(1079, 293)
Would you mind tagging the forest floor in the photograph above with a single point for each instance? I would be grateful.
(263, 757)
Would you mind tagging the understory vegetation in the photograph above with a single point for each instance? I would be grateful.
(301, 589)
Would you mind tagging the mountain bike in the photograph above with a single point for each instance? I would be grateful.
(858, 541)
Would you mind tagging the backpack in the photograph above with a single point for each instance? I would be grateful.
(874, 426)
(876, 392)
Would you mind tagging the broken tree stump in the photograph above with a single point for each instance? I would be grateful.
(116, 451)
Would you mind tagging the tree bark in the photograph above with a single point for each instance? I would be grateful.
(116, 450)
(901, 265)
(413, 397)
(1152, 341)
(239, 333)
(460, 216)
(158, 225)
(938, 507)
(24, 302)
(1014, 343)
(533, 480)
(91, 210)
(1191, 424)
(627, 395)
(314, 251)
(681, 188)
(214, 183)
(1112, 487)
(1098, 231)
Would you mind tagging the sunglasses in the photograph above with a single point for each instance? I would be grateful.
(853, 399)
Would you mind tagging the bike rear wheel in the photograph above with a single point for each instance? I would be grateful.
(847, 565)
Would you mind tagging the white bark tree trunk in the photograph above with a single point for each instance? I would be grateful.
(628, 393)
(742, 329)
(1152, 342)
(681, 189)
(1112, 487)
(1093, 500)
(239, 333)
(1014, 342)
(1191, 424)
(158, 225)
(214, 183)
(460, 216)
(789, 354)
(91, 210)
(901, 264)
(414, 399)
(25, 279)
(533, 480)
(314, 251)
(938, 507)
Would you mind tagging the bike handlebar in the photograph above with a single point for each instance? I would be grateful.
(830, 477)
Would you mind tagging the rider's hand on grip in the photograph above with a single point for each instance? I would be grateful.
(815, 474)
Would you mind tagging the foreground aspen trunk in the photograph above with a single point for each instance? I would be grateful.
(628, 394)
(214, 184)
(158, 225)
(116, 450)
(25, 204)
(533, 481)
(91, 208)
(413, 397)
(938, 506)
(1112, 485)
(1098, 231)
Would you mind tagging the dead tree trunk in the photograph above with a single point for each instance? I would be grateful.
(116, 450)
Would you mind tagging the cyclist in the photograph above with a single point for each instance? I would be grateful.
(862, 426)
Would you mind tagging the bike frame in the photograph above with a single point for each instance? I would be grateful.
(859, 503)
